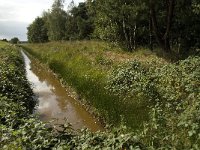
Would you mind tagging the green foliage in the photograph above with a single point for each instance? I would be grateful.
(116, 139)
(128, 81)
(185, 29)
(13, 83)
(85, 66)
(4, 40)
(121, 21)
(175, 122)
(79, 23)
(172, 92)
(14, 40)
(196, 6)
(37, 31)
(56, 20)
(21, 130)
(126, 23)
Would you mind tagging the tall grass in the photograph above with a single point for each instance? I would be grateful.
(19, 129)
(2, 44)
(85, 66)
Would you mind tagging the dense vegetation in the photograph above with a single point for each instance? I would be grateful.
(85, 67)
(14, 40)
(172, 25)
(173, 92)
(156, 99)
(162, 96)
(19, 129)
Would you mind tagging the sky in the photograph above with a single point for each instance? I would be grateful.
(16, 15)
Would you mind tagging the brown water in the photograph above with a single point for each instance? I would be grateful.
(53, 100)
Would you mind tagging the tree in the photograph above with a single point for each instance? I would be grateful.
(37, 31)
(14, 40)
(5, 40)
(56, 21)
(186, 27)
(72, 32)
(80, 24)
(174, 24)
(196, 6)
(121, 21)
(163, 38)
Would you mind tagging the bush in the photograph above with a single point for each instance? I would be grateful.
(14, 40)
(129, 81)
(167, 94)
(175, 121)
(19, 129)
(173, 93)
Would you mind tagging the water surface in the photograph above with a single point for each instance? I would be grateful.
(53, 99)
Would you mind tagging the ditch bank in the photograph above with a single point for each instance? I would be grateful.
(54, 102)
(19, 129)
(76, 65)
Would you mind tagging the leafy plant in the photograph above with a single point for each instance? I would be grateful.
(172, 91)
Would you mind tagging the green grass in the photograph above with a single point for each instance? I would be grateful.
(86, 66)
(3, 44)
(172, 88)
(19, 129)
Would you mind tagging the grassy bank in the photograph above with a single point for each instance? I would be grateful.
(85, 66)
(132, 88)
(19, 129)
(173, 90)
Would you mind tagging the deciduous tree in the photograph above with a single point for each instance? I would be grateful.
(163, 38)
(56, 21)
(14, 40)
(37, 31)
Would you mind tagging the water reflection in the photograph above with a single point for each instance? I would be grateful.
(54, 101)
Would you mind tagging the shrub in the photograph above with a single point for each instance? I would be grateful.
(19, 129)
(173, 92)
(128, 81)
(14, 40)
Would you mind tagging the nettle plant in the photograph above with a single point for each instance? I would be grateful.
(19, 129)
(173, 93)
(129, 81)
(175, 115)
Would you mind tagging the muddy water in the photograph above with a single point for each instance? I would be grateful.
(53, 100)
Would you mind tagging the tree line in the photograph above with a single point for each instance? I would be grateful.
(13, 40)
(172, 25)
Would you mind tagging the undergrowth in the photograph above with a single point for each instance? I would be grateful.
(173, 94)
(20, 129)
(85, 66)
(167, 92)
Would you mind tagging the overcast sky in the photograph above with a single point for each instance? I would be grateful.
(16, 15)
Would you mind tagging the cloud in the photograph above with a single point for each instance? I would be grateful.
(16, 15)
(10, 29)
(22, 10)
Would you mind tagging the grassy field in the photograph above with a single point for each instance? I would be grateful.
(86, 66)
(2, 44)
